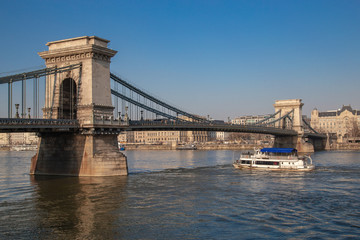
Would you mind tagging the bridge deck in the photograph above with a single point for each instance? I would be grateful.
(156, 126)
(55, 125)
(37, 125)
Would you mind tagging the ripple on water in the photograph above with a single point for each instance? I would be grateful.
(173, 195)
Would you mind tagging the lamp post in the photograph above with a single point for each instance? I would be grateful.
(17, 110)
(126, 114)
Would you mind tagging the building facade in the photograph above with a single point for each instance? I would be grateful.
(344, 122)
(169, 137)
(156, 137)
(222, 136)
(18, 139)
(166, 137)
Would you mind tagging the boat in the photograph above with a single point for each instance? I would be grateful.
(186, 147)
(121, 147)
(275, 159)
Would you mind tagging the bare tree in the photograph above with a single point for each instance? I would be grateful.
(239, 136)
(353, 129)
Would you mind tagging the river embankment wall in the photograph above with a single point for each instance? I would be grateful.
(199, 147)
(346, 146)
(352, 147)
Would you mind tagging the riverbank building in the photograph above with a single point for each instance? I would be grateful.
(344, 123)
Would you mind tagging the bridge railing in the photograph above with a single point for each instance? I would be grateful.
(104, 120)
(32, 121)
(37, 125)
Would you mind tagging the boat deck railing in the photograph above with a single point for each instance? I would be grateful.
(268, 157)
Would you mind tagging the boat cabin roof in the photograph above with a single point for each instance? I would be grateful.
(279, 150)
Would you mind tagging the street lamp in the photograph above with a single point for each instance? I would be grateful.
(17, 110)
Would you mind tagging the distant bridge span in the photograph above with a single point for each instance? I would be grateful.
(182, 126)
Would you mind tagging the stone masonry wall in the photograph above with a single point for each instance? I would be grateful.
(78, 155)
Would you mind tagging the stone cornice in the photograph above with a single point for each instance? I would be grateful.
(78, 53)
(77, 38)
(288, 103)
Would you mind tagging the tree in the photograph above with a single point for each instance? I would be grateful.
(353, 129)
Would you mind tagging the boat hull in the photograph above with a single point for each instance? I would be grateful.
(273, 168)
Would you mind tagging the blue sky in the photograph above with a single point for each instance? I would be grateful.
(222, 58)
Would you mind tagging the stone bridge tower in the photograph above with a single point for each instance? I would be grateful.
(83, 94)
(298, 142)
(286, 106)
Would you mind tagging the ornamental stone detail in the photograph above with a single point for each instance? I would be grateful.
(74, 57)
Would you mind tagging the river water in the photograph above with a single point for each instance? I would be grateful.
(183, 195)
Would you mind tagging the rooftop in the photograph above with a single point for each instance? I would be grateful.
(338, 112)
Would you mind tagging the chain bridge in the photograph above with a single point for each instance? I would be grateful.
(85, 106)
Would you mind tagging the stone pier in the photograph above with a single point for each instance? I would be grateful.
(78, 155)
(298, 142)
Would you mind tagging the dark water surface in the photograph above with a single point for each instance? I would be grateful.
(183, 195)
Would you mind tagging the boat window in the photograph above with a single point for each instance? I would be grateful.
(245, 162)
(266, 163)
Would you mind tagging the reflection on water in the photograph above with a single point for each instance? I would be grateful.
(183, 195)
(71, 208)
(150, 161)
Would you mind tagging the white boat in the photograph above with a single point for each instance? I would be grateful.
(121, 147)
(186, 147)
(275, 159)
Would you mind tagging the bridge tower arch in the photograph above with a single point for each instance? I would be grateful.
(67, 99)
(286, 106)
(92, 79)
(84, 94)
(293, 106)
